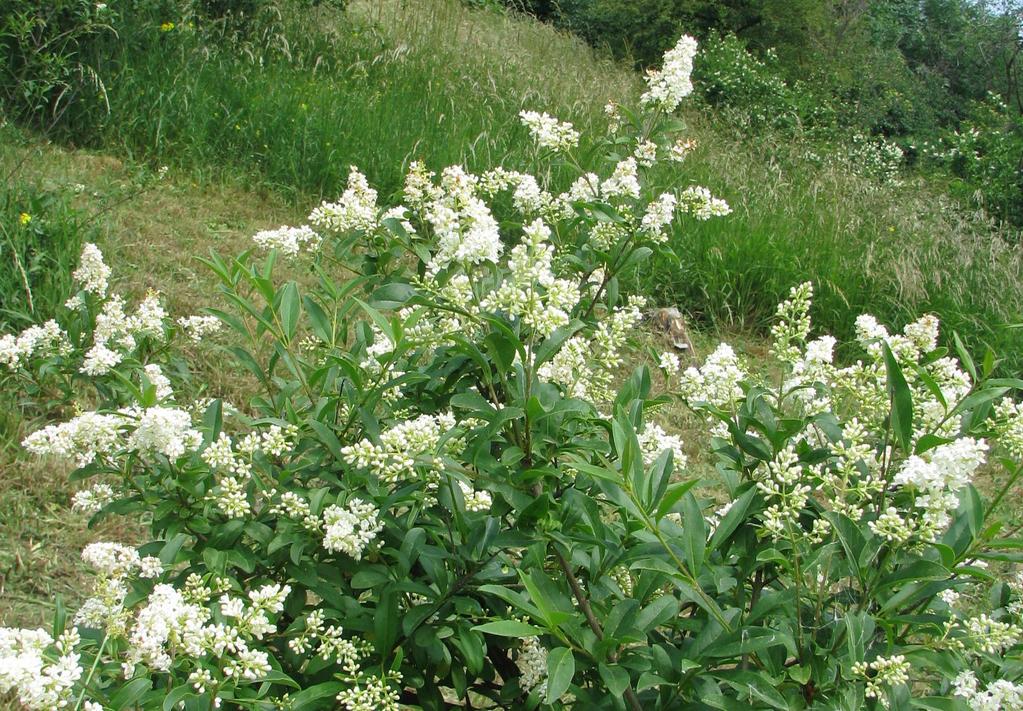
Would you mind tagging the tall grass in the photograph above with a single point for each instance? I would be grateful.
(389, 81)
(41, 234)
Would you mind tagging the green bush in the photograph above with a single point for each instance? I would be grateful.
(437, 494)
(985, 156)
(43, 57)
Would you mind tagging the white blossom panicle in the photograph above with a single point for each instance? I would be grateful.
(37, 680)
(624, 181)
(991, 636)
(198, 327)
(34, 342)
(100, 360)
(646, 153)
(1008, 422)
(698, 202)
(350, 529)
(532, 663)
(92, 272)
(668, 86)
(670, 364)
(548, 132)
(112, 560)
(792, 323)
(681, 149)
(164, 430)
(154, 373)
(355, 210)
(394, 459)
(659, 215)
(91, 500)
(999, 695)
(149, 317)
(882, 674)
(653, 440)
(717, 382)
(370, 694)
(475, 500)
(82, 439)
(289, 241)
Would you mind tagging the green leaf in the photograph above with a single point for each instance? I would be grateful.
(560, 670)
(130, 693)
(386, 621)
(615, 678)
(314, 696)
(902, 401)
(731, 520)
(508, 628)
(696, 533)
(552, 344)
(290, 310)
(675, 492)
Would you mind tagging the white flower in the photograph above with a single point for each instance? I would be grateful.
(669, 363)
(37, 681)
(717, 382)
(548, 132)
(699, 203)
(289, 241)
(164, 430)
(198, 327)
(646, 153)
(112, 560)
(624, 181)
(356, 209)
(82, 439)
(672, 83)
(90, 501)
(659, 215)
(34, 341)
(351, 529)
(532, 663)
(653, 440)
(92, 273)
(475, 500)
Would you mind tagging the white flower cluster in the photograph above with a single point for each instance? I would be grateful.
(235, 461)
(999, 695)
(475, 500)
(698, 202)
(532, 663)
(548, 132)
(668, 86)
(653, 440)
(289, 241)
(936, 478)
(93, 435)
(114, 563)
(717, 382)
(91, 500)
(33, 342)
(403, 447)
(351, 528)
(989, 635)
(467, 233)
(370, 694)
(164, 430)
(883, 673)
(1008, 421)
(199, 327)
(92, 272)
(355, 210)
(531, 292)
(792, 325)
(586, 367)
(658, 216)
(170, 625)
(82, 439)
(28, 669)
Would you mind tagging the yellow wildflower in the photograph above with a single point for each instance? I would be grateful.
(24, 218)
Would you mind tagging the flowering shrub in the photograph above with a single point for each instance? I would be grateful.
(438, 494)
(984, 156)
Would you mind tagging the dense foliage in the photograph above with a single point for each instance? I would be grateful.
(441, 493)
(913, 71)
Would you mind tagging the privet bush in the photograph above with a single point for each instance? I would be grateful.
(437, 496)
